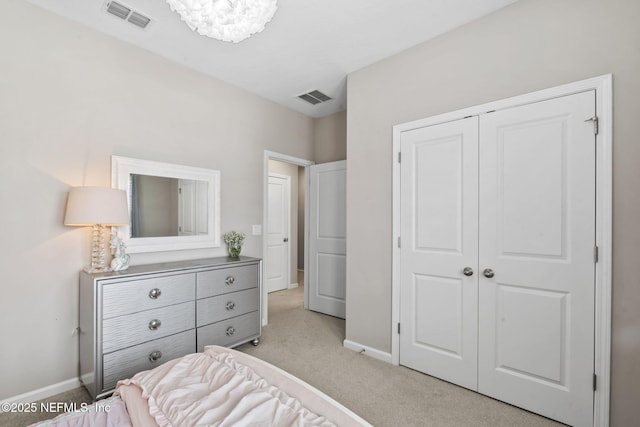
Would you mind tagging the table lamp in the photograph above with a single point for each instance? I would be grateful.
(97, 207)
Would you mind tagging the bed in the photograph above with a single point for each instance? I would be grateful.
(218, 387)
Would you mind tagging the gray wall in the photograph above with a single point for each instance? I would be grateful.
(530, 45)
(158, 206)
(330, 138)
(71, 98)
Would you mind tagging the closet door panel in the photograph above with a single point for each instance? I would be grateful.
(531, 175)
(537, 235)
(439, 229)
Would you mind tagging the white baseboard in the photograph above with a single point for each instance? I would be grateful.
(44, 392)
(369, 351)
(293, 286)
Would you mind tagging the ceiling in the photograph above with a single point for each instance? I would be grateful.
(308, 45)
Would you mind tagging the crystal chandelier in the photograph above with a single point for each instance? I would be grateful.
(226, 20)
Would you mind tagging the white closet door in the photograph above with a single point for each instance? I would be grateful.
(537, 234)
(439, 228)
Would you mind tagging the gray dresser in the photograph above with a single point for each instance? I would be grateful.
(139, 318)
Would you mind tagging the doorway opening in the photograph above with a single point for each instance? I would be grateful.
(285, 208)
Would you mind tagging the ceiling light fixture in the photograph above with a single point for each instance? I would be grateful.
(226, 20)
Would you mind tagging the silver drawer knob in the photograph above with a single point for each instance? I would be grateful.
(230, 331)
(154, 324)
(488, 272)
(230, 280)
(155, 293)
(154, 356)
(468, 271)
(230, 305)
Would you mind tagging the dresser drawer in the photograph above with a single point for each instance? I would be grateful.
(125, 331)
(230, 332)
(215, 309)
(131, 296)
(222, 281)
(126, 363)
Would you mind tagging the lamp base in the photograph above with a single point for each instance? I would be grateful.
(98, 251)
(92, 270)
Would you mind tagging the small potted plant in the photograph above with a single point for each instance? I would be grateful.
(233, 239)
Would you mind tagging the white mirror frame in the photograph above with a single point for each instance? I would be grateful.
(121, 170)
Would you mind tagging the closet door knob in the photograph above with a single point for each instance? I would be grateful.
(488, 272)
(468, 271)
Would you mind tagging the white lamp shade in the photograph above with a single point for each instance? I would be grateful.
(88, 206)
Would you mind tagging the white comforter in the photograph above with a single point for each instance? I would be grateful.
(214, 389)
(220, 387)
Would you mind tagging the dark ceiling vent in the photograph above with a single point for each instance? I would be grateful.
(140, 20)
(125, 12)
(314, 97)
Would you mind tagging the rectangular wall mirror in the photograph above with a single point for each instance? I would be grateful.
(171, 207)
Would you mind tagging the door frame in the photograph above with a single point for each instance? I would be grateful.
(287, 178)
(272, 155)
(603, 86)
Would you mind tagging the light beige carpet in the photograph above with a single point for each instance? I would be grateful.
(309, 345)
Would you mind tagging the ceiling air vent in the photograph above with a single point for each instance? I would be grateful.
(126, 13)
(314, 97)
(140, 20)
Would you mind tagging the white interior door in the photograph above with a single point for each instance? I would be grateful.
(439, 226)
(537, 234)
(327, 239)
(278, 211)
(187, 213)
(192, 207)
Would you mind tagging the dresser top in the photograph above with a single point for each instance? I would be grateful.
(174, 266)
